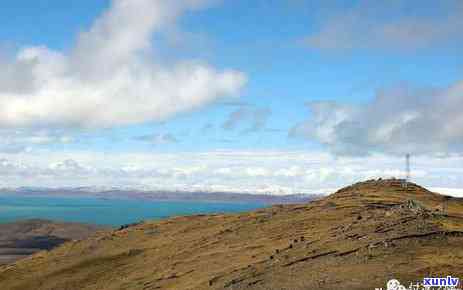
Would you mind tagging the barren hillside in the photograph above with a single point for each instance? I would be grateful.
(357, 238)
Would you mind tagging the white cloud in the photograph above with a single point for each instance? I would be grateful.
(111, 77)
(277, 172)
(397, 121)
(457, 192)
(256, 172)
(390, 25)
(293, 171)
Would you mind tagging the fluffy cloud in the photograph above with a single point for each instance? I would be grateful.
(277, 172)
(110, 77)
(398, 120)
(390, 25)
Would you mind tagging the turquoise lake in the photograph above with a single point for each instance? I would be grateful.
(113, 212)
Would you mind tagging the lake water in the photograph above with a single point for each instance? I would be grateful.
(112, 212)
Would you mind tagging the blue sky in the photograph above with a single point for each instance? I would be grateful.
(347, 79)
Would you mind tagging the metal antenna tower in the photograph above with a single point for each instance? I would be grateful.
(407, 170)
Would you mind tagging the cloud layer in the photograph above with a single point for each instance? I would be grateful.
(398, 120)
(110, 77)
(276, 172)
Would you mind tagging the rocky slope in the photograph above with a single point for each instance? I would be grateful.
(357, 238)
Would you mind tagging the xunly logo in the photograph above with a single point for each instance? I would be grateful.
(448, 283)
(441, 282)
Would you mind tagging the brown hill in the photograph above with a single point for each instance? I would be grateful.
(23, 238)
(357, 238)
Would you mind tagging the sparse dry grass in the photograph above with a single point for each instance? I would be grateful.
(355, 239)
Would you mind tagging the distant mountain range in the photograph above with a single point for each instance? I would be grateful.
(111, 193)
